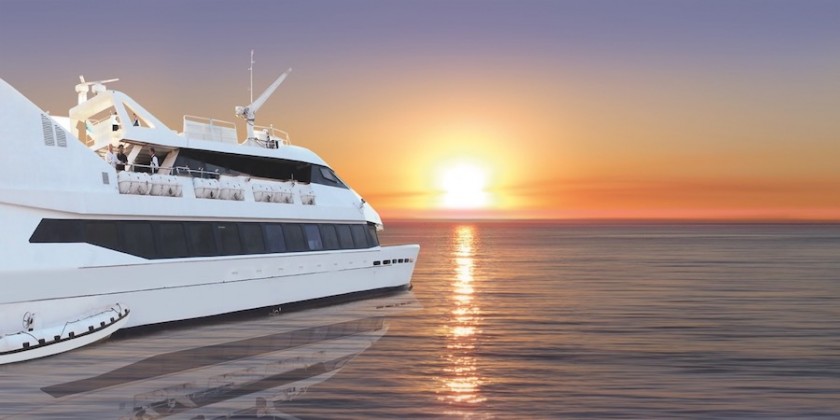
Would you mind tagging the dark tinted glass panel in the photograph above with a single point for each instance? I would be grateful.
(373, 239)
(227, 163)
(329, 236)
(171, 240)
(328, 175)
(295, 241)
(202, 240)
(229, 238)
(58, 231)
(359, 233)
(102, 233)
(139, 239)
(344, 237)
(325, 176)
(252, 238)
(313, 237)
(274, 238)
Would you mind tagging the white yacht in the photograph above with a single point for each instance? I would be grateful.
(212, 225)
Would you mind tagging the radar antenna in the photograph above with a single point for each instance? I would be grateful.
(249, 112)
(84, 87)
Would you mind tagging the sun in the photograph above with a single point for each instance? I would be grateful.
(464, 186)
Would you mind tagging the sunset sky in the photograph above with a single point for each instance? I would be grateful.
(514, 109)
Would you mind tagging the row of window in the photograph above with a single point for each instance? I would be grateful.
(232, 164)
(160, 239)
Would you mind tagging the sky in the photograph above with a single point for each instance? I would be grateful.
(604, 109)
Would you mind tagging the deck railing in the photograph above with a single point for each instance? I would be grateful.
(265, 134)
(209, 129)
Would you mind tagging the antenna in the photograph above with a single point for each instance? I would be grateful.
(249, 112)
(251, 69)
(84, 87)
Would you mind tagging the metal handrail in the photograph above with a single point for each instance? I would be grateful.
(216, 131)
(276, 134)
(179, 170)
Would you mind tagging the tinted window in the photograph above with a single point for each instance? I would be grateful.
(252, 238)
(274, 238)
(326, 176)
(329, 236)
(228, 238)
(359, 236)
(202, 240)
(139, 239)
(373, 239)
(295, 241)
(58, 231)
(102, 233)
(344, 237)
(313, 237)
(171, 240)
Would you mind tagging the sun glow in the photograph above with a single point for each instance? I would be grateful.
(464, 187)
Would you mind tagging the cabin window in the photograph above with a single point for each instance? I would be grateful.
(326, 176)
(58, 231)
(359, 234)
(274, 238)
(172, 242)
(313, 237)
(102, 233)
(202, 241)
(373, 239)
(295, 241)
(329, 236)
(229, 238)
(251, 236)
(161, 239)
(139, 239)
(345, 239)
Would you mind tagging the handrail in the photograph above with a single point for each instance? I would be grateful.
(179, 170)
(191, 172)
(209, 129)
(276, 134)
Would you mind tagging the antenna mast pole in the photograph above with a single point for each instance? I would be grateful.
(251, 89)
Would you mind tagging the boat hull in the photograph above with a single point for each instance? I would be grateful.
(173, 290)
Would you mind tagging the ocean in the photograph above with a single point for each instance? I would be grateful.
(507, 320)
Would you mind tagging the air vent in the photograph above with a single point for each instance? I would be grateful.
(60, 137)
(49, 138)
(105, 179)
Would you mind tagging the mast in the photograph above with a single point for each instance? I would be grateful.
(251, 69)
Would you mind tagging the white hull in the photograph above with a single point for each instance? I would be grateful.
(176, 290)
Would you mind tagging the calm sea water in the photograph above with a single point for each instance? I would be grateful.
(506, 320)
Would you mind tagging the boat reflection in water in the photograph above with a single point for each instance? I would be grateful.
(244, 368)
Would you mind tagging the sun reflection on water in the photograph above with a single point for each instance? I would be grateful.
(462, 382)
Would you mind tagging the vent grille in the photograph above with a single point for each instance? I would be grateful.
(49, 138)
(60, 137)
(105, 179)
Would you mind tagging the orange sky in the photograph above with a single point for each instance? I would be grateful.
(657, 109)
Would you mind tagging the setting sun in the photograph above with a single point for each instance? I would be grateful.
(464, 187)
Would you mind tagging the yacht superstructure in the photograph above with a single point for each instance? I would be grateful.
(193, 224)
